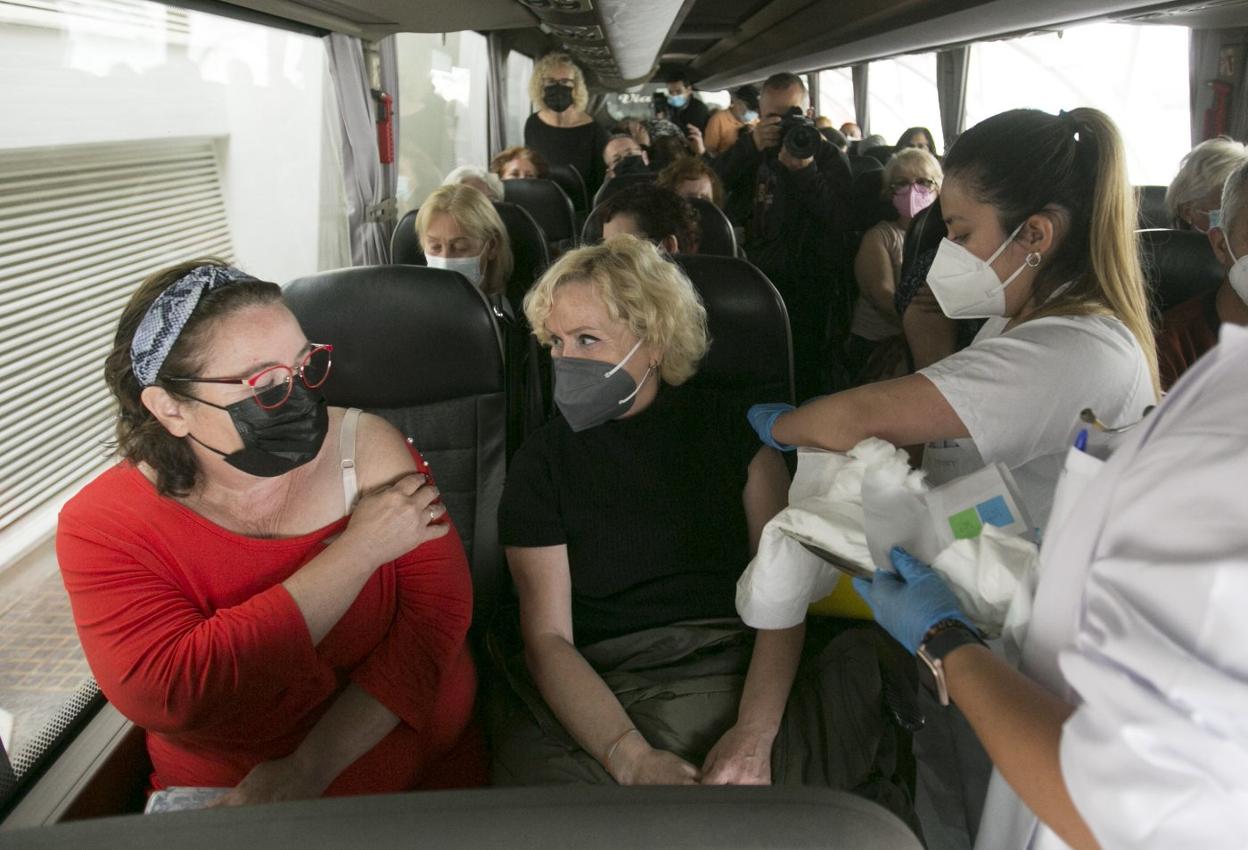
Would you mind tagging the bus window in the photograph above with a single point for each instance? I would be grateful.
(135, 135)
(442, 109)
(1138, 75)
(836, 96)
(519, 107)
(901, 93)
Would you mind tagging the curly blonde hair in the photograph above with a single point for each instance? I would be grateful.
(548, 63)
(638, 287)
(478, 218)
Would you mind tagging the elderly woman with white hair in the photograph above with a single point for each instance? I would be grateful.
(626, 523)
(484, 181)
(561, 130)
(1196, 190)
(1190, 329)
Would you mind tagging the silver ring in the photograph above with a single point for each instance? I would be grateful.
(432, 513)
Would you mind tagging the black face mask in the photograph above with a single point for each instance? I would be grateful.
(276, 441)
(557, 97)
(633, 164)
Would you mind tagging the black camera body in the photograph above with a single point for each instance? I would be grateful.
(798, 134)
(658, 102)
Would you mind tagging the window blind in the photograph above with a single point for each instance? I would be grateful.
(80, 228)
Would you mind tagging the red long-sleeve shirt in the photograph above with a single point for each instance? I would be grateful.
(191, 635)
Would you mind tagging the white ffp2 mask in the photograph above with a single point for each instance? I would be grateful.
(965, 286)
(1238, 274)
(469, 267)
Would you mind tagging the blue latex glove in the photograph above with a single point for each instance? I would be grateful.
(908, 602)
(763, 418)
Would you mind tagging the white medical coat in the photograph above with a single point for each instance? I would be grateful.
(1141, 621)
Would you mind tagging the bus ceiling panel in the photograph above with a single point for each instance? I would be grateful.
(616, 41)
(1211, 15)
(374, 19)
(828, 33)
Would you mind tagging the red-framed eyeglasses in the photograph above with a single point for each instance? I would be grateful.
(271, 386)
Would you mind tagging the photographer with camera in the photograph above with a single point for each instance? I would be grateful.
(789, 187)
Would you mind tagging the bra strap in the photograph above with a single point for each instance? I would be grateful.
(346, 451)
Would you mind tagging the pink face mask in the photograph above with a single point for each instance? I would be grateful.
(913, 199)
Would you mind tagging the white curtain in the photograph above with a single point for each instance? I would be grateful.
(364, 181)
(496, 92)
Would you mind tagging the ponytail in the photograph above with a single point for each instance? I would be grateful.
(1115, 276)
(1073, 164)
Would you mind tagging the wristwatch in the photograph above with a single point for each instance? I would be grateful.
(942, 639)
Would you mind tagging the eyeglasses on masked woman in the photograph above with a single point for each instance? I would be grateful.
(271, 386)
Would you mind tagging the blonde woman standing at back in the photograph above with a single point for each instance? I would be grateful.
(561, 130)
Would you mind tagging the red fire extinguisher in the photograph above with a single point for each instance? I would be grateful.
(1217, 116)
(385, 127)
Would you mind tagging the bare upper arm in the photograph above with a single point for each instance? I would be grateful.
(766, 492)
(381, 453)
(873, 269)
(543, 581)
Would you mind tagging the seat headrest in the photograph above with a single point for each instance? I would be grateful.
(1153, 212)
(1178, 264)
(404, 244)
(570, 180)
(528, 249)
(623, 181)
(748, 323)
(549, 205)
(389, 323)
(880, 153)
(718, 237)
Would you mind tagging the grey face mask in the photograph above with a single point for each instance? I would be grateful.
(589, 393)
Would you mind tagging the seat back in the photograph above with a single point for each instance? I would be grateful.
(880, 153)
(550, 207)
(420, 348)
(572, 184)
(528, 249)
(1153, 213)
(751, 354)
(862, 164)
(1178, 265)
(615, 184)
(404, 244)
(717, 235)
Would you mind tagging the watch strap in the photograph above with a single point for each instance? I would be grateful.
(941, 639)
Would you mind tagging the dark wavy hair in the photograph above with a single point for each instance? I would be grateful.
(658, 212)
(903, 141)
(140, 436)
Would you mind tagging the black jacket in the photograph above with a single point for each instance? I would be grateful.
(694, 112)
(795, 221)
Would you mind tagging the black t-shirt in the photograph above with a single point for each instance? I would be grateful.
(578, 146)
(650, 508)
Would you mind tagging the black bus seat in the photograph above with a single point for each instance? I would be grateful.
(615, 184)
(550, 207)
(1178, 265)
(404, 245)
(751, 354)
(1153, 213)
(571, 182)
(421, 348)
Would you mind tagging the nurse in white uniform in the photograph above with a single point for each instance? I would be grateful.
(1041, 219)
(1128, 725)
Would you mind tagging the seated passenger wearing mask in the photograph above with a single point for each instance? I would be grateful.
(627, 522)
(725, 126)
(277, 627)
(1196, 190)
(623, 155)
(851, 131)
(795, 211)
(683, 109)
(649, 212)
(460, 230)
(876, 349)
(1190, 329)
(483, 181)
(519, 163)
(1041, 242)
(691, 177)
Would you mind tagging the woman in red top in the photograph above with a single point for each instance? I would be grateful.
(270, 632)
